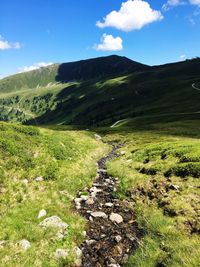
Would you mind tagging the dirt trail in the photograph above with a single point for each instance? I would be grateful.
(112, 233)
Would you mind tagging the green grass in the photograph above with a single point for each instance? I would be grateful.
(66, 161)
(157, 94)
(166, 206)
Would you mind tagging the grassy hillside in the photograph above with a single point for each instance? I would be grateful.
(29, 80)
(159, 173)
(159, 93)
(66, 162)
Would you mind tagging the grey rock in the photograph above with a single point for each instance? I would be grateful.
(118, 238)
(90, 242)
(24, 244)
(98, 137)
(109, 205)
(42, 213)
(39, 179)
(114, 217)
(99, 214)
(90, 201)
(55, 222)
(61, 253)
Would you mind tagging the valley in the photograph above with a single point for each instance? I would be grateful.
(100, 165)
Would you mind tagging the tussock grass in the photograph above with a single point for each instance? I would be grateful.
(166, 205)
(66, 161)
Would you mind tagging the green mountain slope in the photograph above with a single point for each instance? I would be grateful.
(102, 91)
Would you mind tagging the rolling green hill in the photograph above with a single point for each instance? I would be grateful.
(100, 92)
(153, 111)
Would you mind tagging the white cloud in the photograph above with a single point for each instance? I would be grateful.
(172, 3)
(133, 15)
(5, 45)
(34, 67)
(109, 43)
(182, 57)
(195, 2)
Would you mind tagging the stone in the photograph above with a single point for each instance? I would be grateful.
(109, 205)
(84, 197)
(39, 179)
(103, 236)
(78, 252)
(99, 214)
(98, 137)
(78, 200)
(119, 250)
(24, 244)
(114, 265)
(174, 187)
(78, 206)
(95, 189)
(84, 233)
(55, 222)
(90, 201)
(61, 253)
(90, 242)
(25, 182)
(114, 217)
(91, 219)
(101, 171)
(118, 238)
(42, 213)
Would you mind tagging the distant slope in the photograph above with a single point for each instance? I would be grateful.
(29, 80)
(74, 71)
(105, 90)
(98, 68)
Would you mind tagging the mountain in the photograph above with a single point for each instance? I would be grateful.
(96, 68)
(102, 91)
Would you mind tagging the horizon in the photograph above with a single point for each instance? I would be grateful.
(60, 63)
(150, 32)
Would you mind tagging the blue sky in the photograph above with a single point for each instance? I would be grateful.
(37, 32)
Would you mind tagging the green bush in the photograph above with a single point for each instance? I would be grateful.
(185, 169)
(2, 175)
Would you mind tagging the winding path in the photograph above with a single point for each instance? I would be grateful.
(194, 87)
(166, 114)
(112, 233)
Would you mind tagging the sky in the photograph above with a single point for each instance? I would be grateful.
(36, 33)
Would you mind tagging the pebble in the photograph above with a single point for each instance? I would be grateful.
(90, 242)
(61, 253)
(114, 217)
(109, 205)
(39, 179)
(55, 222)
(118, 238)
(24, 244)
(98, 137)
(99, 214)
(25, 182)
(42, 213)
(90, 201)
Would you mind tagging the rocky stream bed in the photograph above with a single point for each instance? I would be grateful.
(112, 233)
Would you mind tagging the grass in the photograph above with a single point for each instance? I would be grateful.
(66, 161)
(166, 206)
(158, 94)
